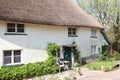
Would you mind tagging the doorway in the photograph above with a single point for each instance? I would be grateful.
(67, 54)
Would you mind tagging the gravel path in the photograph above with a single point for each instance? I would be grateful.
(87, 75)
(113, 75)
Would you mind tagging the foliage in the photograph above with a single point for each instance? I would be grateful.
(116, 55)
(105, 54)
(77, 55)
(29, 70)
(52, 48)
(108, 65)
(108, 13)
(50, 64)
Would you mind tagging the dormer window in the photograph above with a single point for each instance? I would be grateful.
(93, 33)
(15, 28)
(72, 32)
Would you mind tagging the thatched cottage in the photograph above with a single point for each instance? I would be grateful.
(27, 26)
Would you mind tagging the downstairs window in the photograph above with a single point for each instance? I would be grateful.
(12, 57)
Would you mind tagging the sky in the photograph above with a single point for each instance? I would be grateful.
(74, 1)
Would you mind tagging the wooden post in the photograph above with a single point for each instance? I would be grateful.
(102, 69)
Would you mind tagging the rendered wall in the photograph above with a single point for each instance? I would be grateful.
(33, 45)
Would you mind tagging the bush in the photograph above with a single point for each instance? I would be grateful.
(116, 55)
(50, 65)
(77, 55)
(29, 70)
(97, 65)
(52, 48)
(104, 56)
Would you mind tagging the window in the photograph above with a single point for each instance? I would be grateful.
(10, 27)
(20, 27)
(12, 56)
(93, 49)
(72, 32)
(93, 33)
(7, 57)
(17, 56)
(15, 28)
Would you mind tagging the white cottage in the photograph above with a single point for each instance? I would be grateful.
(27, 26)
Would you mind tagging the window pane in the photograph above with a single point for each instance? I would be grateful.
(69, 33)
(17, 56)
(74, 29)
(94, 33)
(20, 27)
(74, 33)
(69, 29)
(91, 49)
(17, 59)
(7, 57)
(17, 52)
(10, 27)
(7, 60)
(94, 49)
(7, 53)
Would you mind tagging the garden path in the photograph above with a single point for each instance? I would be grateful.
(87, 75)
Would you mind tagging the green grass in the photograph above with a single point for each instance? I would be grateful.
(108, 65)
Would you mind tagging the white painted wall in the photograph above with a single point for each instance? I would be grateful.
(34, 44)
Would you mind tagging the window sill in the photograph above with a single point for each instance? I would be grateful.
(11, 65)
(93, 36)
(15, 34)
(72, 35)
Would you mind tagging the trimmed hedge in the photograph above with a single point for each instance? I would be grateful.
(29, 70)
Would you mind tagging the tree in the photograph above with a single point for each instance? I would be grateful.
(108, 14)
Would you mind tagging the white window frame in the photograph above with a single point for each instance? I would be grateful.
(16, 30)
(93, 49)
(72, 32)
(94, 33)
(12, 58)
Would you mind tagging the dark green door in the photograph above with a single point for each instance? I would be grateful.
(67, 54)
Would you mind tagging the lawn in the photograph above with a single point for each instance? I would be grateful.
(108, 65)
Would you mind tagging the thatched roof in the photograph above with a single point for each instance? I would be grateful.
(51, 12)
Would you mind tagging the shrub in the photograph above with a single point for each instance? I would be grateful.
(77, 54)
(29, 70)
(51, 66)
(52, 48)
(105, 55)
(116, 55)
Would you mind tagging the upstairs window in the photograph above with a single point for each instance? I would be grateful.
(72, 32)
(93, 33)
(10, 27)
(20, 27)
(15, 28)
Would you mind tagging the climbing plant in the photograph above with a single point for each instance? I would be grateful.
(52, 48)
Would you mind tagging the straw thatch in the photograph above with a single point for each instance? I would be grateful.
(51, 12)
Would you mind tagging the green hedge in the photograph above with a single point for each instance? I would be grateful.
(29, 70)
